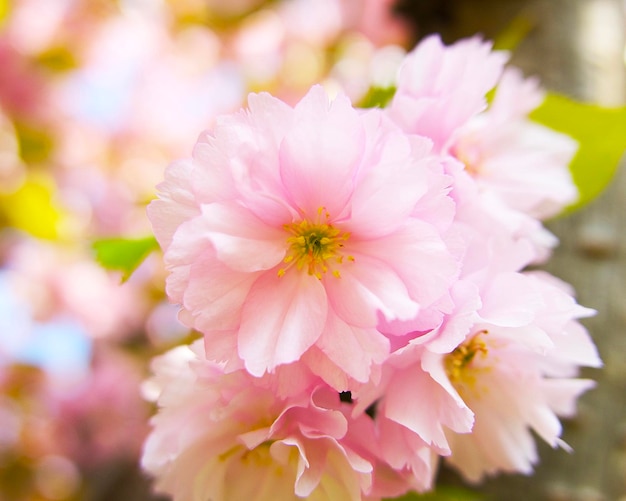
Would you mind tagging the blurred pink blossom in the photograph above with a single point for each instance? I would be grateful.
(517, 371)
(441, 87)
(230, 437)
(524, 164)
(57, 281)
(103, 418)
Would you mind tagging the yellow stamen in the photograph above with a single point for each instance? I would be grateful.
(460, 364)
(315, 246)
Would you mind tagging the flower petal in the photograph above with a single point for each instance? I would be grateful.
(424, 404)
(241, 240)
(215, 293)
(354, 349)
(394, 175)
(282, 317)
(368, 286)
(419, 257)
(175, 205)
(319, 156)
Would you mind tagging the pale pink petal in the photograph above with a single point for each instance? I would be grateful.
(184, 249)
(440, 88)
(531, 337)
(312, 422)
(215, 293)
(332, 374)
(456, 325)
(211, 179)
(421, 403)
(573, 347)
(249, 146)
(241, 240)
(221, 346)
(419, 256)
(281, 334)
(271, 114)
(510, 301)
(515, 96)
(292, 380)
(542, 419)
(457, 417)
(175, 204)
(352, 348)
(319, 156)
(409, 456)
(366, 287)
(394, 176)
(310, 466)
(562, 394)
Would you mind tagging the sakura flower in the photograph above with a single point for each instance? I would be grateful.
(412, 402)
(517, 371)
(483, 216)
(230, 436)
(522, 163)
(370, 440)
(415, 404)
(508, 171)
(287, 240)
(440, 88)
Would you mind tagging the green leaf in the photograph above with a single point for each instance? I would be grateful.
(515, 33)
(35, 144)
(443, 493)
(601, 134)
(123, 254)
(377, 97)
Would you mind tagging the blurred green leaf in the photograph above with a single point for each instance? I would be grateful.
(377, 97)
(35, 144)
(123, 254)
(601, 134)
(513, 34)
(444, 493)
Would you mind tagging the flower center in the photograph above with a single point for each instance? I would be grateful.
(315, 246)
(471, 155)
(460, 366)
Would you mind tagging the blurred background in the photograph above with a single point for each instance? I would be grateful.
(98, 96)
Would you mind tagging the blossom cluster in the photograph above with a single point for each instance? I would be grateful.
(88, 94)
(360, 280)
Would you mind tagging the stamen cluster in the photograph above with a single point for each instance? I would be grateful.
(315, 246)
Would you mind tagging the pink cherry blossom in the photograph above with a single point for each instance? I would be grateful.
(483, 216)
(231, 436)
(517, 371)
(441, 87)
(415, 403)
(522, 163)
(287, 239)
(508, 171)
